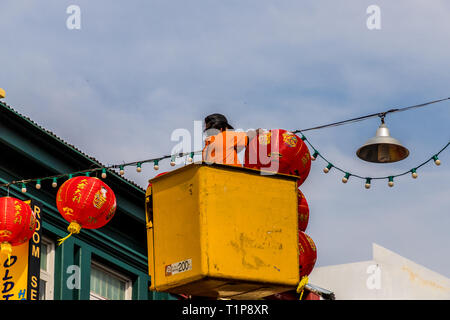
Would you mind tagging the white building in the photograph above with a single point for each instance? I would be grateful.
(387, 276)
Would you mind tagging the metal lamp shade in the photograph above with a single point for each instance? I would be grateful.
(382, 148)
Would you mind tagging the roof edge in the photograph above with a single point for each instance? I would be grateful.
(53, 136)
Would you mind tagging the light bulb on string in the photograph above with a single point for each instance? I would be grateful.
(367, 185)
(190, 158)
(327, 168)
(436, 160)
(346, 177)
(24, 188)
(391, 181)
(122, 171)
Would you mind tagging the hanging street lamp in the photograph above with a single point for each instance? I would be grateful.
(382, 148)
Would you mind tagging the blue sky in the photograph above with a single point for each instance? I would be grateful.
(137, 70)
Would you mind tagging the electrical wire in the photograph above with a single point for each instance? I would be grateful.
(378, 114)
(339, 123)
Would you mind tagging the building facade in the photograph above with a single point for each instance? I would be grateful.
(388, 276)
(106, 263)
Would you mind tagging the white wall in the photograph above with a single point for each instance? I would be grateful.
(387, 276)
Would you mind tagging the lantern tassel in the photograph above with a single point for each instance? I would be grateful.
(61, 240)
(72, 228)
(6, 248)
(301, 286)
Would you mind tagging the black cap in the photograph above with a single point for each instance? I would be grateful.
(217, 121)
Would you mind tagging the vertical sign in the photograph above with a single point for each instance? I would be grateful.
(34, 255)
(19, 277)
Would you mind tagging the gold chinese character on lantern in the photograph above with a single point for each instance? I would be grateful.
(5, 233)
(77, 196)
(92, 220)
(82, 184)
(68, 211)
(99, 198)
(290, 139)
(265, 138)
(301, 248)
(18, 220)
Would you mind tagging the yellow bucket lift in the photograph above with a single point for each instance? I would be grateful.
(223, 232)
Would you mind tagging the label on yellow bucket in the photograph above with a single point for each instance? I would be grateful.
(178, 267)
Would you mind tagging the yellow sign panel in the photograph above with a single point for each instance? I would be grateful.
(19, 276)
(14, 275)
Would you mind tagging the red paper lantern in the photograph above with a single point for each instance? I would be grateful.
(303, 212)
(17, 223)
(308, 254)
(85, 202)
(281, 151)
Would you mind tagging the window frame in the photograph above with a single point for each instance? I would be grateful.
(115, 273)
(48, 275)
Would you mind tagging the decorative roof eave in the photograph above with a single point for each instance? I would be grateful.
(51, 135)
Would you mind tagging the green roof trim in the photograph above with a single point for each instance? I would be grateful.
(53, 136)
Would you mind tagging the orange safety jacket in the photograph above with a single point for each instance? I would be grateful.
(224, 147)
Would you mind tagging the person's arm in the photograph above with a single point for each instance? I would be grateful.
(242, 139)
(253, 133)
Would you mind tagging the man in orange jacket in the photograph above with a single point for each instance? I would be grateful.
(223, 144)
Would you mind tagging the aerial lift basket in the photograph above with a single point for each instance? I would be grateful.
(222, 232)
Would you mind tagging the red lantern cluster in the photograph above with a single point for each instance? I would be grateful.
(307, 260)
(17, 223)
(308, 254)
(282, 151)
(307, 248)
(303, 212)
(279, 151)
(85, 202)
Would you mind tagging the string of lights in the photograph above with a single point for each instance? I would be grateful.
(190, 157)
(103, 170)
(138, 164)
(316, 154)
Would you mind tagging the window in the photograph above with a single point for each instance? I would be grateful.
(107, 284)
(47, 269)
